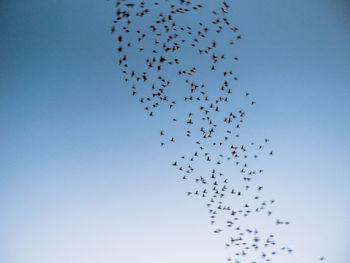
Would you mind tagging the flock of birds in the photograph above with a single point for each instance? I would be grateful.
(158, 44)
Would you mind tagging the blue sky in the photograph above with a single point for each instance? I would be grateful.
(82, 176)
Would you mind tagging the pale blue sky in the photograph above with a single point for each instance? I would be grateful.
(82, 176)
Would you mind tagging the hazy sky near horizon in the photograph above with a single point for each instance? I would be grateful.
(82, 176)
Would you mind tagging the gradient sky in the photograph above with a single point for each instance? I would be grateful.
(82, 176)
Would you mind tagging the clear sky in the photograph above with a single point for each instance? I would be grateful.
(82, 176)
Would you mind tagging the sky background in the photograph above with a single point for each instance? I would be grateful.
(82, 176)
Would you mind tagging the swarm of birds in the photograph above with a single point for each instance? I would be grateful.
(157, 45)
